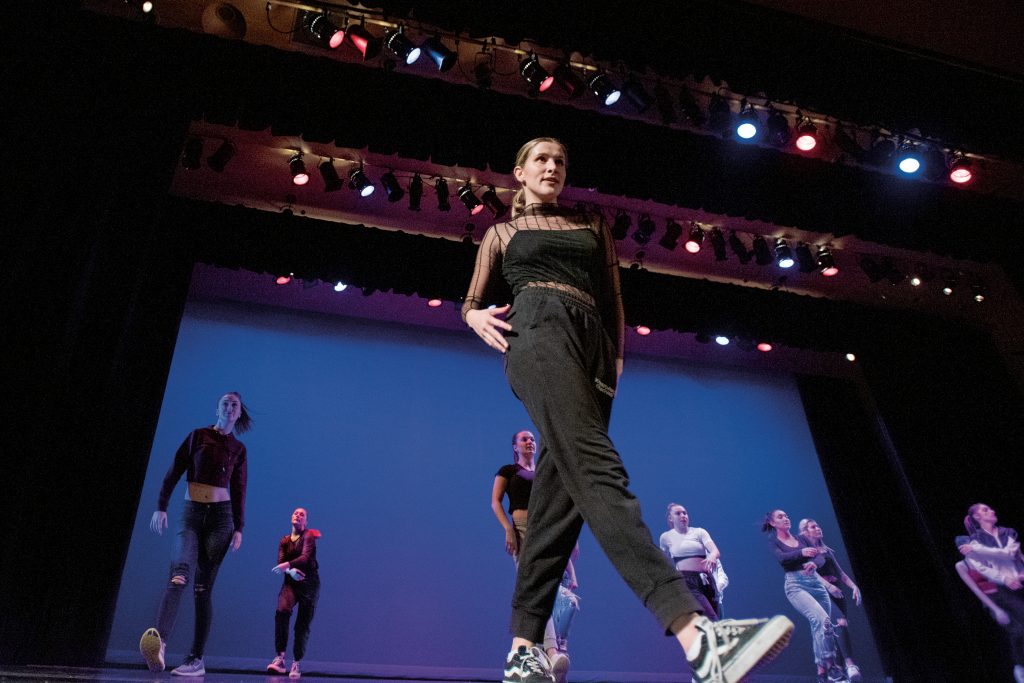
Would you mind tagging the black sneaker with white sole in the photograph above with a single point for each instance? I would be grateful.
(732, 648)
(527, 665)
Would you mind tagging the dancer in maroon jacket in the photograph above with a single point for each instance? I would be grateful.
(296, 560)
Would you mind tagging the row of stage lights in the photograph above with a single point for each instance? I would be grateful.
(908, 155)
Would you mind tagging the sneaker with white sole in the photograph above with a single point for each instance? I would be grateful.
(732, 648)
(152, 647)
(277, 665)
(560, 667)
(296, 672)
(193, 666)
(527, 665)
(853, 673)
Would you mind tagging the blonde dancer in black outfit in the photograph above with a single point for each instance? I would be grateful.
(562, 338)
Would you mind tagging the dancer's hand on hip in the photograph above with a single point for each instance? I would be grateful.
(488, 326)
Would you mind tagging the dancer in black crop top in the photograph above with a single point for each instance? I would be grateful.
(212, 519)
(563, 343)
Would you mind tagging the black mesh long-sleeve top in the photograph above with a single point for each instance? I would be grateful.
(549, 246)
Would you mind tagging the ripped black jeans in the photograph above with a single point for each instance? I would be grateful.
(206, 530)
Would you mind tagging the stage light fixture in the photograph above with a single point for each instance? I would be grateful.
(851, 357)
(332, 182)
(637, 95)
(568, 80)
(762, 254)
(691, 110)
(440, 55)
(881, 153)
(535, 75)
(722, 340)
(673, 231)
(358, 181)
(718, 244)
(764, 347)
(364, 41)
(702, 337)
(483, 74)
(644, 229)
(192, 152)
(777, 128)
(326, 31)
(441, 190)
(392, 189)
(220, 158)
(915, 281)
(978, 292)
(719, 114)
(806, 136)
(748, 122)
(783, 254)
(949, 282)
(470, 200)
(298, 169)
(284, 279)
(871, 268)
(695, 239)
(933, 163)
(738, 248)
(806, 260)
(435, 303)
(606, 93)
(493, 202)
(827, 262)
(908, 160)
(663, 98)
(960, 169)
(401, 46)
(643, 330)
(621, 225)
(415, 192)
(340, 286)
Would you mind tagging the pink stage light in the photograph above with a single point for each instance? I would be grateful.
(643, 330)
(434, 303)
(764, 347)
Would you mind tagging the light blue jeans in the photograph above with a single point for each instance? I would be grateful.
(556, 631)
(810, 598)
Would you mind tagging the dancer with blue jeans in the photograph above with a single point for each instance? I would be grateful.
(215, 463)
(804, 588)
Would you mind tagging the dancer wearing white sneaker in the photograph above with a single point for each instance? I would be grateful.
(296, 561)
(215, 465)
(563, 342)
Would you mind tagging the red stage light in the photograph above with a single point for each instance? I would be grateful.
(764, 347)
(643, 330)
(283, 279)
(434, 303)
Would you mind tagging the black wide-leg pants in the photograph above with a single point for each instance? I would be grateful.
(561, 365)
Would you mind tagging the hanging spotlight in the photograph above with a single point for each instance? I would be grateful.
(340, 286)
(642, 330)
(568, 80)
(748, 122)
(719, 114)
(691, 110)
(493, 202)
(535, 75)
(777, 126)
(960, 169)
(949, 280)
(326, 31)
(851, 357)
(606, 93)
(392, 188)
(695, 239)
(827, 262)
(764, 347)
(881, 152)
(192, 152)
(358, 181)
(673, 231)
(403, 48)
(738, 248)
(806, 136)
(474, 205)
(908, 160)
(364, 41)
(284, 279)
(415, 192)
(762, 254)
(332, 182)
(721, 340)
(636, 94)
(220, 158)
(298, 169)
(444, 58)
(783, 254)
(805, 259)
(718, 244)
(467, 238)
(644, 229)
(441, 189)
(872, 269)
(978, 292)
(621, 225)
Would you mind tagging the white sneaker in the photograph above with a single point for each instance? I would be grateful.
(277, 665)
(295, 672)
(193, 666)
(560, 667)
(152, 647)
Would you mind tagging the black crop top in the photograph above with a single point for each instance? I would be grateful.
(520, 484)
(791, 559)
(211, 458)
(555, 246)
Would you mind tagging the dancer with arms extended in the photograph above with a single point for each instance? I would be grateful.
(216, 468)
(296, 560)
(563, 339)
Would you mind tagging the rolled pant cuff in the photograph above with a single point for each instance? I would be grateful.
(528, 626)
(671, 600)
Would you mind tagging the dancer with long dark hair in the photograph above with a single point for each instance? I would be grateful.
(828, 569)
(804, 590)
(516, 480)
(216, 468)
(994, 552)
(694, 555)
(296, 561)
(563, 341)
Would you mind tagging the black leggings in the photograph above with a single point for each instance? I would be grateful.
(561, 365)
